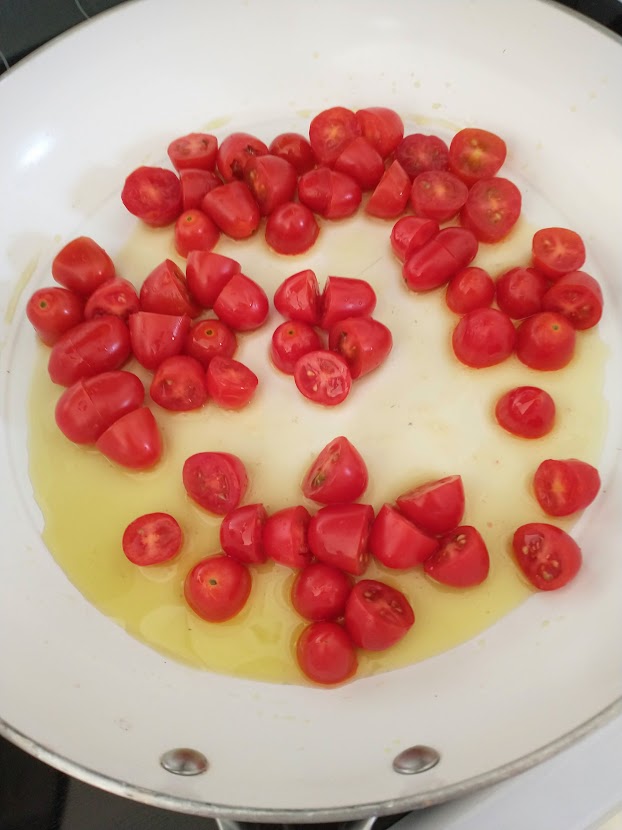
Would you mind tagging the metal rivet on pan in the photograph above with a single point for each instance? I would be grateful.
(184, 761)
(416, 759)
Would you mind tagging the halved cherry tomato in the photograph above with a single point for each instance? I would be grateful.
(390, 197)
(577, 296)
(436, 507)
(437, 194)
(360, 160)
(153, 194)
(164, 291)
(323, 377)
(216, 481)
(194, 185)
(241, 532)
(377, 615)
(53, 311)
(332, 194)
(320, 592)
(152, 539)
(462, 559)
(337, 475)
(208, 339)
(242, 304)
(285, 537)
(476, 154)
(346, 297)
(338, 536)
(230, 384)
(469, 289)
(411, 233)
(382, 127)
(330, 131)
(133, 440)
(234, 151)
(557, 251)
(207, 274)
(520, 292)
(82, 265)
(295, 149)
(195, 231)
(483, 338)
(179, 384)
(526, 411)
(290, 341)
(95, 346)
(564, 486)
(363, 342)
(396, 542)
(545, 341)
(492, 209)
(116, 296)
(271, 180)
(155, 337)
(325, 653)
(291, 229)
(233, 209)
(546, 554)
(418, 153)
(436, 262)
(195, 150)
(217, 588)
(298, 297)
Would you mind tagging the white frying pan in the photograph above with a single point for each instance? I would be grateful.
(79, 693)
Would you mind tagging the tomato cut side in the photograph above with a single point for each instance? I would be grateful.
(557, 251)
(338, 474)
(520, 292)
(330, 131)
(298, 297)
(390, 197)
(396, 542)
(563, 487)
(437, 194)
(152, 539)
(382, 127)
(576, 296)
(195, 150)
(461, 561)
(492, 209)
(295, 149)
(377, 616)
(217, 588)
(207, 274)
(179, 384)
(418, 153)
(323, 377)
(116, 296)
(230, 384)
(436, 507)
(153, 194)
(363, 342)
(216, 481)
(235, 151)
(546, 555)
(476, 154)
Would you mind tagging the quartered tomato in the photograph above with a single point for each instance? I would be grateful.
(411, 233)
(271, 180)
(194, 185)
(116, 296)
(462, 559)
(577, 296)
(564, 486)
(291, 229)
(153, 194)
(436, 507)
(285, 537)
(390, 197)
(53, 311)
(216, 481)
(217, 588)
(557, 251)
(346, 297)
(207, 274)
(469, 289)
(326, 654)
(396, 542)
(363, 342)
(546, 555)
(241, 533)
(377, 615)
(242, 304)
(418, 153)
(233, 209)
(82, 265)
(526, 411)
(179, 384)
(234, 151)
(208, 339)
(152, 538)
(382, 127)
(330, 131)
(133, 440)
(520, 292)
(360, 160)
(437, 194)
(195, 231)
(338, 535)
(483, 337)
(99, 345)
(298, 297)
(164, 291)
(195, 150)
(155, 337)
(295, 149)
(545, 341)
(323, 377)
(337, 475)
(492, 209)
(291, 341)
(476, 154)
(320, 592)
(230, 384)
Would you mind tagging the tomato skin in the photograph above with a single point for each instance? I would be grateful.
(133, 440)
(152, 538)
(577, 296)
(557, 251)
(217, 588)
(330, 131)
(207, 274)
(323, 377)
(469, 289)
(291, 229)
(195, 150)
(390, 197)
(320, 592)
(298, 297)
(382, 127)
(116, 296)
(418, 153)
(436, 507)
(194, 185)
(291, 341)
(153, 194)
(208, 339)
(216, 481)
(545, 341)
(164, 291)
(195, 231)
(484, 337)
(337, 475)
(437, 194)
(492, 209)
(241, 532)
(362, 162)
(86, 409)
(363, 342)
(82, 265)
(563, 487)
(338, 535)
(332, 194)
(411, 233)
(377, 615)
(295, 149)
(95, 346)
(154, 337)
(285, 537)
(53, 311)
(179, 384)
(325, 653)
(546, 555)
(396, 542)
(271, 180)
(230, 384)
(346, 297)
(242, 304)
(526, 411)
(520, 292)
(476, 154)
(461, 561)
(234, 152)
(232, 209)
(436, 262)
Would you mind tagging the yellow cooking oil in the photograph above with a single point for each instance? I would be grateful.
(421, 416)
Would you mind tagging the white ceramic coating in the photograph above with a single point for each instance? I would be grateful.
(75, 118)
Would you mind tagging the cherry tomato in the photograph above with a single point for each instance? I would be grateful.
(557, 251)
(390, 197)
(320, 592)
(116, 296)
(195, 150)
(362, 162)
(436, 262)
(546, 554)
(325, 653)
(152, 539)
(436, 507)
(53, 311)
(363, 342)
(155, 337)
(195, 231)
(526, 411)
(564, 486)
(241, 533)
(396, 542)
(492, 209)
(216, 481)
(207, 274)
(346, 297)
(164, 291)
(290, 341)
(469, 289)
(338, 535)
(483, 337)
(82, 265)
(232, 209)
(285, 537)
(577, 296)
(242, 304)
(208, 339)
(179, 384)
(411, 233)
(194, 185)
(437, 194)
(461, 561)
(291, 229)
(95, 346)
(217, 588)
(153, 194)
(230, 384)
(295, 149)
(271, 180)
(520, 292)
(377, 615)
(476, 154)
(90, 406)
(337, 475)
(235, 151)
(545, 341)
(332, 194)
(418, 153)
(323, 377)
(330, 131)
(133, 440)
(382, 127)
(298, 297)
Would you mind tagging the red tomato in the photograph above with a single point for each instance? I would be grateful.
(285, 537)
(411, 233)
(323, 377)
(346, 297)
(82, 265)
(436, 507)
(194, 185)
(325, 653)
(230, 384)
(116, 296)
(419, 153)
(89, 348)
(320, 592)
(235, 151)
(90, 406)
(290, 341)
(241, 532)
(557, 251)
(337, 475)
(216, 481)
(233, 209)
(53, 311)
(545, 341)
(520, 292)
(362, 162)
(577, 296)
(377, 616)
(208, 339)
(363, 342)
(398, 543)
(207, 274)
(526, 411)
(217, 588)
(153, 194)
(295, 149)
(547, 555)
(298, 297)
(338, 535)
(242, 304)
(483, 337)
(179, 384)
(164, 291)
(440, 259)
(133, 440)
(332, 194)
(462, 560)
(195, 231)
(469, 289)
(382, 127)
(195, 150)
(476, 154)
(152, 538)
(492, 209)
(271, 180)
(437, 194)
(291, 229)
(155, 337)
(390, 197)
(564, 486)
(330, 131)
